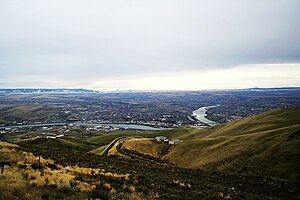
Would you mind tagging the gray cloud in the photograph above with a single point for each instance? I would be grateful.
(90, 40)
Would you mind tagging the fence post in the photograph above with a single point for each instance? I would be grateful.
(91, 162)
(2, 166)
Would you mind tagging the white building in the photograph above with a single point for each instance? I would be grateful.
(162, 139)
(173, 142)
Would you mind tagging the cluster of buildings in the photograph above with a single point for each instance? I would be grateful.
(166, 140)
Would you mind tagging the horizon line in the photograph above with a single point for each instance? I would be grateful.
(129, 90)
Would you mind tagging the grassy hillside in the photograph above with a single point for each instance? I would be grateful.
(264, 144)
(147, 146)
(58, 143)
(66, 173)
(105, 139)
(270, 120)
(251, 153)
(10, 113)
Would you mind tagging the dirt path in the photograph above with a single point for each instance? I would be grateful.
(112, 144)
(127, 153)
(107, 149)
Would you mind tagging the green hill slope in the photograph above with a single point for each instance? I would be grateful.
(270, 120)
(72, 144)
(264, 144)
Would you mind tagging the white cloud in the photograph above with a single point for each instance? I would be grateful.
(88, 41)
(259, 75)
(245, 76)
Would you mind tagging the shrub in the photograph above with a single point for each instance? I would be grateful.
(7, 144)
(131, 188)
(107, 186)
(85, 187)
(38, 181)
(6, 195)
(113, 191)
(7, 150)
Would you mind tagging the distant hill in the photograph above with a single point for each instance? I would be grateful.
(43, 90)
(270, 89)
(79, 90)
(264, 144)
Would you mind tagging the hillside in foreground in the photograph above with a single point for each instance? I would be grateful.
(238, 160)
(264, 144)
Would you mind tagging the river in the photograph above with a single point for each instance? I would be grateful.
(125, 126)
(200, 114)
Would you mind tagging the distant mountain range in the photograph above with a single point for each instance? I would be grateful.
(271, 89)
(43, 90)
(79, 90)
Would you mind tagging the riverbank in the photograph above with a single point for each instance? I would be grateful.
(122, 126)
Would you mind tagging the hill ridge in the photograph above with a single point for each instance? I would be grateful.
(262, 143)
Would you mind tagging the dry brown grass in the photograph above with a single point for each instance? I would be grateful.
(114, 151)
(99, 150)
(12, 177)
(107, 186)
(7, 144)
(136, 196)
(113, 191)
(261, 142)
(115, 175)
(16, 179)
(14, 184)
(6, 195)
(12, 181)
(135, 181)
(85, 187)
(27, 159)
(182, 183)
(146, 146)
(7, 150)
(82, 170)
(66, 176)
(131, 188)
(268, 143)
(31, 175)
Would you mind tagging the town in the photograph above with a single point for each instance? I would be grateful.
(156, 109)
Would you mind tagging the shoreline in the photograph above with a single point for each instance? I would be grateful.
(117, 125)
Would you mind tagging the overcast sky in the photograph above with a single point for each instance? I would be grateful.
(153, 44)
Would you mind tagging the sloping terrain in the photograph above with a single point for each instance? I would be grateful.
(253, 155)
(264, 144)
(144, 179)
(149, 147)
(31, 112)
(60, 143)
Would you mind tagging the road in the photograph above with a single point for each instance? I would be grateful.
(122, 151)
